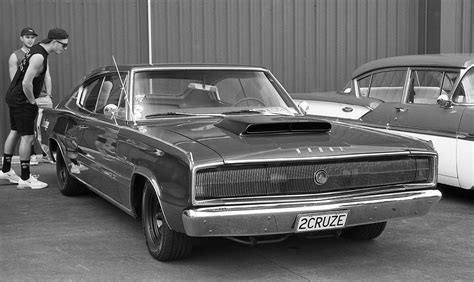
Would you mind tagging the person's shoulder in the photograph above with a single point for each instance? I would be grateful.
(18, 54)
(13, 59)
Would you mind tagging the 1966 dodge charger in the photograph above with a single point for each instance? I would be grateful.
(222, 150)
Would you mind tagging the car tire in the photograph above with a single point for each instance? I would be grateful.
(163, 243)
(364, 232)
(68, 185)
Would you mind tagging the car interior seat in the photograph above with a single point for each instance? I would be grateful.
(198, 98)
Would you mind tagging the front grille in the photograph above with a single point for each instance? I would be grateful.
(302, 178)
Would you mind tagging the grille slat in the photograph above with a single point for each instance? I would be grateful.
(291, 178)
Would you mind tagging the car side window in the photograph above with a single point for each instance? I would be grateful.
(88, 97)
(110, 92)
(426, 85)
(464, 94)
(364, 84)
(385, 85)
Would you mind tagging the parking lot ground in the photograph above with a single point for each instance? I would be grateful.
(47, 236)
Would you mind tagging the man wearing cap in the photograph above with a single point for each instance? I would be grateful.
(28, 37)
(21, 98)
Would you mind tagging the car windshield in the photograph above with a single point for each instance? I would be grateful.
(175, 93)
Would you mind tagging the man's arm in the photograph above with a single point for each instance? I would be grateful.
(34, 67)
(47, 82)
(12, 65)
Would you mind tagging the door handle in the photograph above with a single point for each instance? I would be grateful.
(401, 110)
(83, 126)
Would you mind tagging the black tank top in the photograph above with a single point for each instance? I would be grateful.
(15, 95)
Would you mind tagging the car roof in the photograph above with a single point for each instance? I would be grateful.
(454, 60)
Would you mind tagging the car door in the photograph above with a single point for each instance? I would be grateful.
(386, 85)
(420, 116)
(97, 138)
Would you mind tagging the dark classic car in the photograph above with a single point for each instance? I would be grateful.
(222, 150)
(425, 96)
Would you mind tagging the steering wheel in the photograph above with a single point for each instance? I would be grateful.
(248, 99)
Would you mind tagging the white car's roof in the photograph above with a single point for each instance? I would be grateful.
(460, 60)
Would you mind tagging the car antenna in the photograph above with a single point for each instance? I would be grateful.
(122, 89)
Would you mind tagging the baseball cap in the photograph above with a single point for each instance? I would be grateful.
(28, 31)
(56, 34)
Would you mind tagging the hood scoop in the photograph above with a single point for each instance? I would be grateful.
(269, 125)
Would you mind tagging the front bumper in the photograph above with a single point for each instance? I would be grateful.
(280, 218)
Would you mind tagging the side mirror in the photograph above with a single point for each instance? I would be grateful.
(444, 102)
(303, 106)
(347, 90)
(110, 110)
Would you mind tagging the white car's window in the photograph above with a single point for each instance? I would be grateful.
(449, 80)
(426, 85)
(205, 91)
(464, 93)
(386, 85)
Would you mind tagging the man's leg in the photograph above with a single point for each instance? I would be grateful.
(7, 173)
(8, 148)
(25, 153)
(26, 128)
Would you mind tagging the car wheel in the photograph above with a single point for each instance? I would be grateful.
(364, 232)
(68, 185)
(163, 243)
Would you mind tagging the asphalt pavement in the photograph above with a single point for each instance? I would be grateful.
(47, 236)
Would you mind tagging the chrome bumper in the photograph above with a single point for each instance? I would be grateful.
(279, 218)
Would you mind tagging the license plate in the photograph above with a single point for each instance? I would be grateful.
(325, 221)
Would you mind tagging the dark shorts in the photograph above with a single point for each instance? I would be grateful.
(22, 119)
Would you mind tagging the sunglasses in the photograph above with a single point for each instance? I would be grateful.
(63, 44)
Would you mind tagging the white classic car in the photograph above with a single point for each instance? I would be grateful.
(425, 96)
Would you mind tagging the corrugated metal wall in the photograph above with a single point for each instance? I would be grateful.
(308, 44)
(457, 31)
(97, 28)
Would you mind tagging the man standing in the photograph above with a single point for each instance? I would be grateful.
(21, 98)
(28, 37)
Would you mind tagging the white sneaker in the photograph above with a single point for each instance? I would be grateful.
(33, 160)
(32, 183)
(76, 169)
(10, 176)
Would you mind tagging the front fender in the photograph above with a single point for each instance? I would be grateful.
(171, 206)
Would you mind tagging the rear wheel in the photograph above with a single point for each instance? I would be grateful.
(364, 232)
(163, 243)
(68, 185)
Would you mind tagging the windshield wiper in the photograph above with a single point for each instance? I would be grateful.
(242, 112)
(178, 114)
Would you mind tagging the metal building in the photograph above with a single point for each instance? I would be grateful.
(310, 45)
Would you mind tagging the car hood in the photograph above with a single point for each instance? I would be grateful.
(271, 138)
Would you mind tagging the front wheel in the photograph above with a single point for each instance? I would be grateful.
(163, 243)
(364, 232)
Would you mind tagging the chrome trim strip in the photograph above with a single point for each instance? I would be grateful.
(314, 158)
(326, 196)
(268, 219)
(198, 67)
